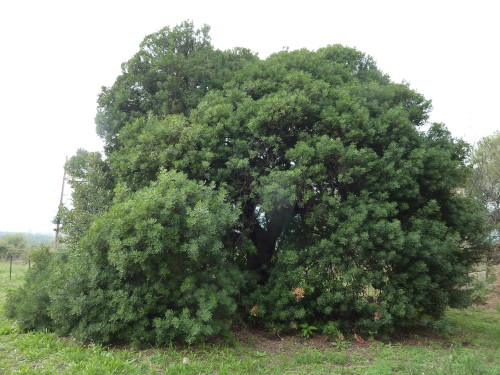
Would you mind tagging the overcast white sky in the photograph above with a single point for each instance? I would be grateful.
(55, 56)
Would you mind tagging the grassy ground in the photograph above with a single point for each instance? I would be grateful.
(11, 279)
(474, 348)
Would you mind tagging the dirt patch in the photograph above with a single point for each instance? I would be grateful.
(270, 343)
(277, 343)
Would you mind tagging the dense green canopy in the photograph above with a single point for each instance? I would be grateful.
(296, 189)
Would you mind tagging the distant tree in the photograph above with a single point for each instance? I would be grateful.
(12, 244)
(484, 184)
(277, 192)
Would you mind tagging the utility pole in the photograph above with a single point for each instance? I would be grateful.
(58, 223)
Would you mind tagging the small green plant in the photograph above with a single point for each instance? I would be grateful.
(331, 331)
(443, 326)
(341, 345)
(306, 330)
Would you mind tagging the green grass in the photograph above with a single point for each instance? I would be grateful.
(19, 269)
(474, 348)
(477, 327)
(10, 279)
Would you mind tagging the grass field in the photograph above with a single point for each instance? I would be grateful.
(474, 348)
(8, 280)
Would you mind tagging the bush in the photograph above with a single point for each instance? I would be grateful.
(154, 268)
(29, 305)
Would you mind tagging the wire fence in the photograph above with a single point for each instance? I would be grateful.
(12, 267)
(16, 266)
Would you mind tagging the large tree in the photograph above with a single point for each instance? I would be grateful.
(298, 188)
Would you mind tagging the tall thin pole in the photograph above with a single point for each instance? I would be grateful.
(58, 223)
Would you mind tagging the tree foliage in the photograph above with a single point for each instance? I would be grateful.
(284, 191)
(92, 186)
(154, 268)
(12, 244)
(172, 71)
(484, 184)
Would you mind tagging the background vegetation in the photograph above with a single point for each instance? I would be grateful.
(19, 245)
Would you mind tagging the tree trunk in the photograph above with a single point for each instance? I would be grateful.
(265, 243)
